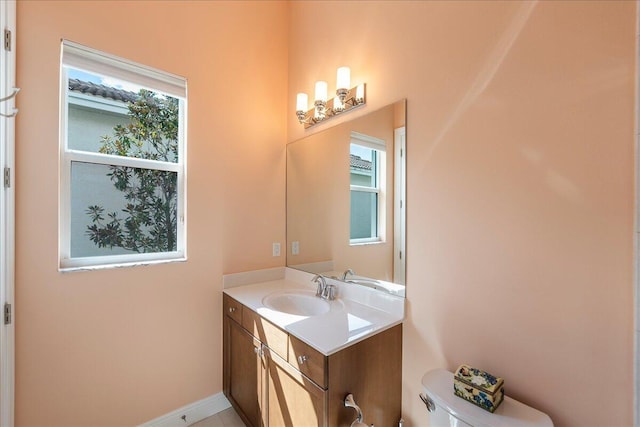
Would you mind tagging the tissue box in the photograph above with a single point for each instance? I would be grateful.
(478, 387)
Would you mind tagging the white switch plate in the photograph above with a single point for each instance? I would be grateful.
(276, 249)
(295, 248)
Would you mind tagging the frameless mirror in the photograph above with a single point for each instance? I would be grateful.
(346, 200)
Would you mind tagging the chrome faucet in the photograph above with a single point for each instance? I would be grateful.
(322, 285)
(324, 290)
(344, 275)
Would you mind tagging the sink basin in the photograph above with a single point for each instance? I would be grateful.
(299, 303)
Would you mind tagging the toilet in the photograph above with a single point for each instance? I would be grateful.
(448, 410)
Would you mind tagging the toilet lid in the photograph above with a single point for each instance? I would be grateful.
(438, 384)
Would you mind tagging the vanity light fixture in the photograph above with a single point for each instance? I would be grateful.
(346, 99)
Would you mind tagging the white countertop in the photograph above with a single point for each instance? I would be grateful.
(356, 314)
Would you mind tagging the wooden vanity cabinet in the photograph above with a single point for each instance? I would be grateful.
(293, 399)
(274, 379)
(246, 374)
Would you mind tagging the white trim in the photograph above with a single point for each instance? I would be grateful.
(379, 165)
(94, 61)
(194, 412)
(362, 189)
(74, 55)
(400, 206)
(7, 218)
(365, 241)
(368, 141)
(117, 261)
(113, 160)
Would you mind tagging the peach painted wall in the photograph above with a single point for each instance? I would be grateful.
(121, 347)
(520, 142)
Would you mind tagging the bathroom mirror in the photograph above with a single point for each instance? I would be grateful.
(346, 200)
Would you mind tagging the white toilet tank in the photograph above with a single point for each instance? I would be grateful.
(452, 411)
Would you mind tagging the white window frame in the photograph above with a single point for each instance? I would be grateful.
(7, 215)
(379, 145)
(80, 57)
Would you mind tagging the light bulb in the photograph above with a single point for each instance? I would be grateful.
(321, 91)
(302, 101)
(360, 93)
(343, 78)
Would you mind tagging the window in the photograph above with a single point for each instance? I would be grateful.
(367, 165)
(122, 161)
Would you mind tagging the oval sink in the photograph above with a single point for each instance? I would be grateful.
(299, 303)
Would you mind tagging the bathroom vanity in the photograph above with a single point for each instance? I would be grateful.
(291, 358)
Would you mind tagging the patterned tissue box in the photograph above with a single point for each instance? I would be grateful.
(478, 387)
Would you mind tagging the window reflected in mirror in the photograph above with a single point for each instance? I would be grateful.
(345, 200)
(364, 171)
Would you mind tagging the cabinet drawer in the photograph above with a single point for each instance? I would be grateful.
(308, 360)
(232, 308)
(275, 338)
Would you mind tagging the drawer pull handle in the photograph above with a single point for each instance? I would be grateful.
(232, 309)
(302, 359)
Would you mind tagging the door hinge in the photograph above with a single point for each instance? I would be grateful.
(7, 313)
(7, 40)
(7, 177)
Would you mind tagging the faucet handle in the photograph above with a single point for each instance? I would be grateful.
(330, 292)
(322, 285)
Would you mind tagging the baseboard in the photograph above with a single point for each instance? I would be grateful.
(192, 413)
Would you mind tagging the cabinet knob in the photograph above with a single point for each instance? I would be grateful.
(302, 359)
(232, 309)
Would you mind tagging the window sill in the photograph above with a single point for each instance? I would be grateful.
(366, 242)
(69, 266)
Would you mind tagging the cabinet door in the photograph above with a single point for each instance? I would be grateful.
(293, 399)
(246, 368)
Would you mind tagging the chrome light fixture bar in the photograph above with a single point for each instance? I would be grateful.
(345, 100)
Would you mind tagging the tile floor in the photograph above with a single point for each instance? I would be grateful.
(226, 418)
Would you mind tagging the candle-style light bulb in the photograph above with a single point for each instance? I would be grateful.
(321, 100)
(360, 94)
(321, 91)
(343, 78)
(343, 81)
(302, 101)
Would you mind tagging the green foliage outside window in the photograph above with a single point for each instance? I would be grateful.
(148, 223)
